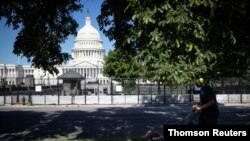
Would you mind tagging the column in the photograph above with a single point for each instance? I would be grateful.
(91, 74)
(88, 72)
(95, 72)
(84, 71)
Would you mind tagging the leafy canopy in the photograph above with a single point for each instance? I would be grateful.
(174, 40)
(44, 25)
(120, 65)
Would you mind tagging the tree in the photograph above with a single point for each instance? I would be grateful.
(230, 37)
(121, 66)
(44, 25)
(174, 40)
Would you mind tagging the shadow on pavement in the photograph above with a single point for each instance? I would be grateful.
(107, 122)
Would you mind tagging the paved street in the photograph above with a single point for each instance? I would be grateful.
(92, 121)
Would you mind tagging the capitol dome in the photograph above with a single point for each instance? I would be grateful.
(88, 46)
(88, 32)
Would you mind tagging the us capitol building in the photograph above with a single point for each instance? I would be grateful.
(88, 53)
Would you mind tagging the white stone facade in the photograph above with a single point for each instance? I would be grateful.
(88, 53)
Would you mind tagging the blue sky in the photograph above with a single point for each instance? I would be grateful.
(8, 35)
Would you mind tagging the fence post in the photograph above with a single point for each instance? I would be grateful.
(98, 91)
(58, 98)
(241, 98)
(23, 99)
(151, 94)
(85, 89)
(164, 91)
(30, 98)
(138, 91)
(191, 93)
(11, 98)
(44, 98)
(57, 92)
(73, 96)
(111, 90)
(17, 96)
(4, 96)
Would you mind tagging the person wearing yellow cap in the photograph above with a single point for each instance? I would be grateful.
(208, 107)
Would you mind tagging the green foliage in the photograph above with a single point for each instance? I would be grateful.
(174, 40)
(230, 37)
(120, 65)
(129, 86)
(44, 25)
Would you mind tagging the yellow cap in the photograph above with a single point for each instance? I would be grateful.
(201, 80)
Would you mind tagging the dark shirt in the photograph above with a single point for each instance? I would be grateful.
(207, 94)
(211, 112)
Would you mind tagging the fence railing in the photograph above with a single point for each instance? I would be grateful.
(115, 99)
(122, 91)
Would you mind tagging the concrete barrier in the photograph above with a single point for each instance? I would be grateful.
(66, 100)
(51, 99)
(196, 98)
(104, 99)
(184, 98)
(131, 99)
(37, 99)
(80, 100)
(245, 98)
(145, 99)
(91, 99)
(234, 98)
(222, 98)
(120, 99)
(159, 99)
(1, 100)
(171, 99)
(7, 99)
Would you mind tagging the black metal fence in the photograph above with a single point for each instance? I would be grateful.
(124, 91)
(231, 85)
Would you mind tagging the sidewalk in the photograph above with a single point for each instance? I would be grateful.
(117, 105)
(236, 104)
(72, 105)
